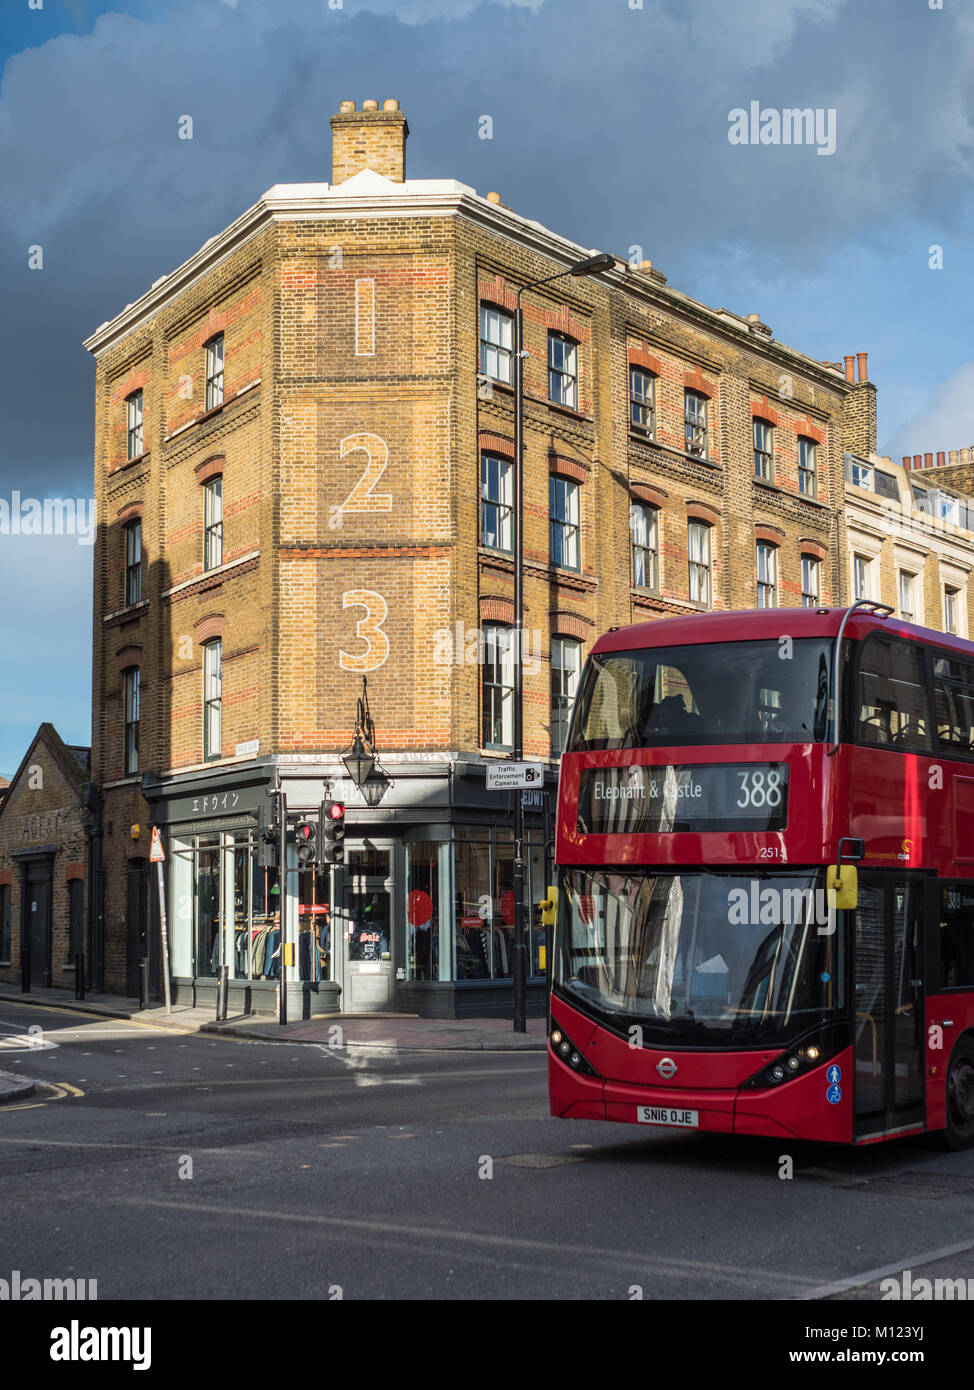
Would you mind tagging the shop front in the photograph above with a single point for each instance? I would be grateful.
(419, 919)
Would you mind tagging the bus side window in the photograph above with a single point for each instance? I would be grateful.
(953, 690)
(892, 695)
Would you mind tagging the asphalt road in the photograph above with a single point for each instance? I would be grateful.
(168, 1165)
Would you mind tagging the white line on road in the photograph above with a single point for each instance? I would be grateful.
(856, 1281)
(639, 1259)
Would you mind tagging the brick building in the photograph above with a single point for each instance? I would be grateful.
(43, 864)
(303, 467)
(910, 531)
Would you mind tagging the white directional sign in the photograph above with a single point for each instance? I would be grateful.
(503, 776)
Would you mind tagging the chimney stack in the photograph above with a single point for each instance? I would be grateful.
(369, 139)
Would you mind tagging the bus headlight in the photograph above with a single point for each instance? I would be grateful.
(566, 1051)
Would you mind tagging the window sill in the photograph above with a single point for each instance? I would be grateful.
(787, 492)
(131, 610)
(568, 410)
(129, 463)
(212, 412)
(490, 384)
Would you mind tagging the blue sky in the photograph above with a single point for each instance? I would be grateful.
(610, 124)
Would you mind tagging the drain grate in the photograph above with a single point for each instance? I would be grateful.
(540, 1160)
(928, 1187)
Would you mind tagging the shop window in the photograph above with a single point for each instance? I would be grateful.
(427, 910)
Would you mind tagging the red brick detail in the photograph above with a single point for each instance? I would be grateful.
(496, 444)
(210, 468)
(696, 381)
(208, 628)
(640, 356)
(699, 511)
(655, 496)
(136, 380)
(126, 657)
(496, 292)
(809, 430)
(133, 512)
(359, 552)
(771, 534)
(496, 610)
(813, 548)
(568, 468)
(73, 871)
(6, 877)
(570, 625)
(764, 410)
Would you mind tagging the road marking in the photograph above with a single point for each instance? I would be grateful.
(629, 1259)
(856, 1281)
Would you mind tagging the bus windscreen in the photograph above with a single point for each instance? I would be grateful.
(728, 692)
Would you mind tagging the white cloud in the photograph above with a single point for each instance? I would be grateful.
(947, 422)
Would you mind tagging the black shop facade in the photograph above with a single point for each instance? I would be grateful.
(418, 920)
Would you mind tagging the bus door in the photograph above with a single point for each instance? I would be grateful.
(888, 1004)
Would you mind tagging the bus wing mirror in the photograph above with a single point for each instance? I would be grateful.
(843, 886)
(549, 908)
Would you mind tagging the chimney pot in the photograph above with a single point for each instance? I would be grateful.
(494, 198)
(849, 369)
(370, 106)
(965, 455)
(952, 456)
(754, 318)
(917, 460)
(928, 460)
(346, 106)
(390, 104)
(941, 459)
(645, 265)
(862, 365)
(907, 461)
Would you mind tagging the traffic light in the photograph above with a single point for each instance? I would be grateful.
(332, 819)
(306, 836)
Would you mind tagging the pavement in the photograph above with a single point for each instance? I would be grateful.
(383, 1034)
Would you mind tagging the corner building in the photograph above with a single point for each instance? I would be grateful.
(304, 469)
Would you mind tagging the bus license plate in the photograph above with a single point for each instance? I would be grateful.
(667, 1115)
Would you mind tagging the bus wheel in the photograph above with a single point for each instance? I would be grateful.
(959, 1131)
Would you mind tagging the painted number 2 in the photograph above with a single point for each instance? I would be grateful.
(362, 498)
(369, 629)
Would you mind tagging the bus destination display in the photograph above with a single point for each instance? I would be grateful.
(641, 800)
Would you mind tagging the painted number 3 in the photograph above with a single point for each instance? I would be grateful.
(369, 629)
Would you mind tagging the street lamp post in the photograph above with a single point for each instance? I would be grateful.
(590, 266)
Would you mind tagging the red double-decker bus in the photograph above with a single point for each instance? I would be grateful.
(765, 851)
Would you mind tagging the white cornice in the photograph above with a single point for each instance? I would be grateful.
(369, 195)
